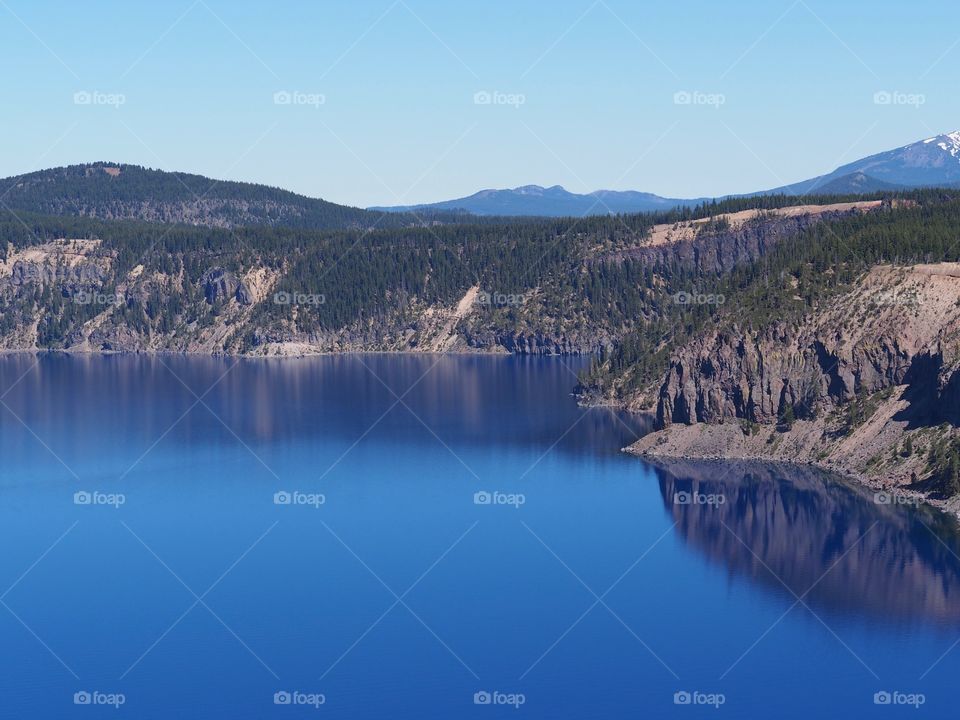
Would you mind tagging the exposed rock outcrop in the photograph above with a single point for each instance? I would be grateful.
(67, 263)
(898, 326)
(841, 389)
(219, 285)
(722, 243)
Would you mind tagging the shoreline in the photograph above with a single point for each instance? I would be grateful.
(847, 474)
(279, 356)
(861, 480)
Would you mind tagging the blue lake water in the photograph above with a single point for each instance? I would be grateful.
(410, 537)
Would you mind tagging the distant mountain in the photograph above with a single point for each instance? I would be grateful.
(934, 162)
(115, 191)
(552, 201)
(855, 183)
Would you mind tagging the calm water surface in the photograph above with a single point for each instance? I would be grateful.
(582, 588)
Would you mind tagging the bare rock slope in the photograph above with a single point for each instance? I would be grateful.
(868, 387)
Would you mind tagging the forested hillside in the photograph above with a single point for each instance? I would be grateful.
(595, 285)
(839, 346)
(793, 279)
(113, 191)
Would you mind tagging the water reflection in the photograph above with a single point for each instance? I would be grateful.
(463, 399)
(825, 540)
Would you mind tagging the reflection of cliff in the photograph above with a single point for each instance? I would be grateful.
(805, 526)
(302, 399)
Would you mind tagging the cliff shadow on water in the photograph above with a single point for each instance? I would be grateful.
(803, 533)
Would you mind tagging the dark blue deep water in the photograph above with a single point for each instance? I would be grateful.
(143, 557)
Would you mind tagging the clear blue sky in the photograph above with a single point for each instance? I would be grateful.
(398, 122)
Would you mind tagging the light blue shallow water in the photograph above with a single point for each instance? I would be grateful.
(399, 596)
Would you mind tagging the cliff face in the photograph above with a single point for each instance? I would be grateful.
(899, 327)
(841, 389)
(758, 377)
(721, 249)
(719, 244)
(76, 284)
(206, 294)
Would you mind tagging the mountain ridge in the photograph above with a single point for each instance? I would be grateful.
(931, 162)
(552, 201)
(120, 191)
(110, 191)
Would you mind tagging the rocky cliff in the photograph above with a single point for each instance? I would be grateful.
(75, 287)
(211, 292)
(718, 244)
(868, 386)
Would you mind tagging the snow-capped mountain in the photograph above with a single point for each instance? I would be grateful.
(933, 162)
(948, 143)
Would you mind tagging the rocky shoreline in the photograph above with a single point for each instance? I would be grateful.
(868, 387)
(885, 492)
